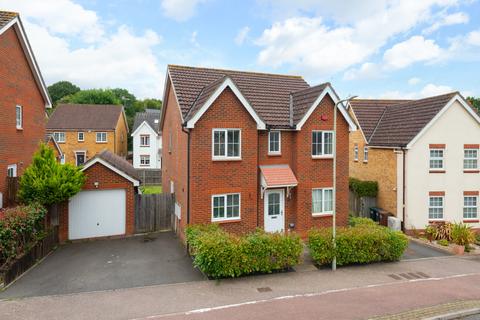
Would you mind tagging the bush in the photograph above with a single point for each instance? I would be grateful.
(443, 242)
(358, 221)
(220, 254)
(363, 188)
(462, 234)
(439, 231)
(360, 244)
(19, 227)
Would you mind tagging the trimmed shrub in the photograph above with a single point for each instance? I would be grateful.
(356, 245)
(363, 188)
(19, 227)
(359, 221)
(220, 254)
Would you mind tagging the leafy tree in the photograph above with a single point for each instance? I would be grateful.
(61, 89)
(48, 182)
(141, 105)
(475, 103)
(93, 96)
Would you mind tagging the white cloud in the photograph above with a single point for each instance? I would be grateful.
(180, 10)
(427, 91)
(367, 70)
(242, 35)
(413, 81)
(193, 39)
(448, 20)
(413, 50)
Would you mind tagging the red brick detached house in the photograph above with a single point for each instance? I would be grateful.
(249, 150)
(23, 100)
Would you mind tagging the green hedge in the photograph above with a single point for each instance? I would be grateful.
(363, 188)
(359, 221)
(357, 245)
(219, 254)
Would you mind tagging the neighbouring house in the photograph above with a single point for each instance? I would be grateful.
(57, 150)
(423, 153)
(106, 205)
(248, 150)
(83, 130)
(147, 140)
(23, 102)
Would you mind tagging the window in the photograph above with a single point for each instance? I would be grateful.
(81, 136)
(470, 159)
(144, 140)
(101, 137)
(436, 159)
(144, 160)
(62, 159)
(355, 153)
(226, 207)
(19, 117)
(365, 154)
(226, 144)
(12, 170)
(274, 142)
(59, 136)
(435, 208)
(322, 143)
(470, 207)
(170, 142)
(322, 201)
(172, 187)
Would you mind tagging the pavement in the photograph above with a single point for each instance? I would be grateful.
(107, 264)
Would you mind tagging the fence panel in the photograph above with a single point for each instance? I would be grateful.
(12, 190)
(153, 212)
(360, 206)
(150, 176)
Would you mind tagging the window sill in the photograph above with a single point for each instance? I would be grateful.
(274, 154)
(226, 159)
(19, 128)
(144, 146)
(365, 161)
(145, 165)
(471, 221)
(81, 141)
(322, 215)
(322, 157)
(226, 221)
(435, 220)
(436, 171)
(471, 171)
(101, 142)
(355, 160)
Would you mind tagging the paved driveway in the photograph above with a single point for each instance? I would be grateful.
(108, 264)
(417, 250)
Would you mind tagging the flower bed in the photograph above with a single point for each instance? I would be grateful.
(219, 254)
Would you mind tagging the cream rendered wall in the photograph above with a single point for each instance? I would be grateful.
(454, 128)
(152, 150)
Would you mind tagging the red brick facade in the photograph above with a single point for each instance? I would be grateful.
(208, 177)
(107, 179)
(18, 87)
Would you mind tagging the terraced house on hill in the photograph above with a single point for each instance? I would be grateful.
(423, 153)
(83, 130)
(249, 150)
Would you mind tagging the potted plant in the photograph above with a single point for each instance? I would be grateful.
(462, 236)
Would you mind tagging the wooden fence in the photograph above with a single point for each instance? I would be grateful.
(12, 190)
(360, 206)
(154, 212)
(150, 176)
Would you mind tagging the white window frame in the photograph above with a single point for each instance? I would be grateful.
(477, 151)
(56, 136)
(13, 169)
(225, 207)
(83, 136)
(436, 207)
(355, 152)
(18, 121)
(470, 207)
(142, 142)
(279, 151)
(172, 187)
(323, 211)
(101, 140)
(147, 157)
(84, 157)
(226, 157)
(430, 159)
(365, 154)
(170, 142)
(323, 155)
(63, 158)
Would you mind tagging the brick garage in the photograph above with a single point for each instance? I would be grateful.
(105, 172)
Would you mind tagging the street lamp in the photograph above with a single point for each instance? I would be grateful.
(334, 200)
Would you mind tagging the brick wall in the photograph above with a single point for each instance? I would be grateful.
(18, 87)
(107, 179)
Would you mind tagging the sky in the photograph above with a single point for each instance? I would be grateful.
(369, 48)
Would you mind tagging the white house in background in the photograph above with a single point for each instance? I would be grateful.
(147, 140)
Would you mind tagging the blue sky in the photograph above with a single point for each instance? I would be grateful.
(370, 48)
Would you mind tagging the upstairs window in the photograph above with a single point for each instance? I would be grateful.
(101, 137)
(12, 170)
(226, 144)
(470, 207)
(274, 142)
(19, 117)
(144, 140)
(365, 154)
(470, 159)
(59, 136)
(322, 144)
(81, 136)
(436, 159)
(355, 153)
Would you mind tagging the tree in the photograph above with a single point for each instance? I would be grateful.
(147, 103)
(93, 96)
(61, 89)
(48, 182)
(475, 102)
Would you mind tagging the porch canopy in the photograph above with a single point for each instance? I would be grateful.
(277, 176)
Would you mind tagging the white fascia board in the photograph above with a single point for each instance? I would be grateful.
(227, 83)
(359, 127)
(328, 90)
(144, 123)
(455, 98)
(135, 182)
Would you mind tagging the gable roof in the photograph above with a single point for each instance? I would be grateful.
(116, 164)
(84, 117)
(12, 19)
(277, 101)
(150, 116)
(49, 137)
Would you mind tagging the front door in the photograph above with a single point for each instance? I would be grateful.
(80, 158)
(274, 216)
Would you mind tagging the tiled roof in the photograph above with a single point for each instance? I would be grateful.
(278, 175)
(302, 100)
(117, 162)
(84, 116)
(268, 94)
(6, 17)
(152, 116)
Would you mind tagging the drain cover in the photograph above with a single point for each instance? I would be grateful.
(409, 276)
(264, 289)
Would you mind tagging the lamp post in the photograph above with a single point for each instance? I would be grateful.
(334, 200)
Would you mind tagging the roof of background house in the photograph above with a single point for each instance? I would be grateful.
(6, 17)
(117, 162)
(84, 116)
(268, 94)
(151, 116)
(393, 123)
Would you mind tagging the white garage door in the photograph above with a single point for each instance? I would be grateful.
(96, 213)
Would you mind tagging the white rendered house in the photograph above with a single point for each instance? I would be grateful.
(147, 140)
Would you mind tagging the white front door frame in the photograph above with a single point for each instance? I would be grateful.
(275, 222)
